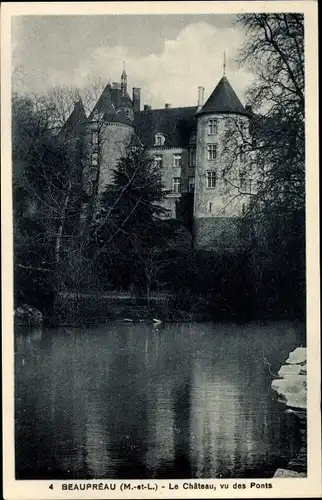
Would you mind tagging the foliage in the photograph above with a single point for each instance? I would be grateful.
(45, 173)
(129, 227)
(130, 207)
(275, 147)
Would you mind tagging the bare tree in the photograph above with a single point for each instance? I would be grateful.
(271, 152)
(47, 173)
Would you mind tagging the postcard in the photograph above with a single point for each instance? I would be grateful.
(160, 265)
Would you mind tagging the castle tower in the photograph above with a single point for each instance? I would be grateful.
(110, 132)
(217, 204)
(124, 81)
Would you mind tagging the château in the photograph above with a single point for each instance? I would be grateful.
(188, 145)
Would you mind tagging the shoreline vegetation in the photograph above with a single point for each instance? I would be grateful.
(92, 308)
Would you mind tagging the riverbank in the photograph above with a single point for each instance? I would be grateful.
(96, 308)
(291, 388)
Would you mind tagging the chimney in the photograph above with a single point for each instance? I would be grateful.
(147, 107)
(201, 97)
(116, 85)
(136, 99)
(167, 105)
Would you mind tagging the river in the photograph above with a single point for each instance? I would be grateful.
(139, 401)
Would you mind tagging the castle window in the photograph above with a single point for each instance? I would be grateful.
(177, 161)
(243, 209)
(211, 179)
(191, 184)
(209, 206)
(158, 161)
(242, 125)
(192, 158)
(242, 181)
(176, 184)
(212, 151)
(94, 159)
(193, 137)
(92, 187)
(159, 140)
(212, 126)
(95, 138)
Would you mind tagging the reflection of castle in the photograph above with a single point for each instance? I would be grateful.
(186, 143)
(161, 427)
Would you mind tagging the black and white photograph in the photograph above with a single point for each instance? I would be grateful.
(160, 304)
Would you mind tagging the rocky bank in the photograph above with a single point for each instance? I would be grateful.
(291, 388)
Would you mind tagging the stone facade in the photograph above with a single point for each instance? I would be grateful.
(115, 141)
(187, 145)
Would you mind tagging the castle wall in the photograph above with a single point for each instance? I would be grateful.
(116, 137)
(168, 172)
(218, 207)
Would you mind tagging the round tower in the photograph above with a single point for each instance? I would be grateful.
(221, 122)
(117, 132)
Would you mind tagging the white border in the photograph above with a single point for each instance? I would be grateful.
(282, 488)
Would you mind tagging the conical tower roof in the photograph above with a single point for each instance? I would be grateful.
(104, 103)
(223, 100)
(118, 117)
(76, 118)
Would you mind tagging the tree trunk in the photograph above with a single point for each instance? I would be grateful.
(61, 224)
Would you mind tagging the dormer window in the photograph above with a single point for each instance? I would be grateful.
(159, 140)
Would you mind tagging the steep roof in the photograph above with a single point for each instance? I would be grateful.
(223, 100)
(176, 124)
(104, 103)
(111, 99)
(76, 117)
(118, 117)
(135, 141)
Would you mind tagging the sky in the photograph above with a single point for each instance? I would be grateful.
(168, 56)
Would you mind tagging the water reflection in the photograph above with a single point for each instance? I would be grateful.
(188, 400)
